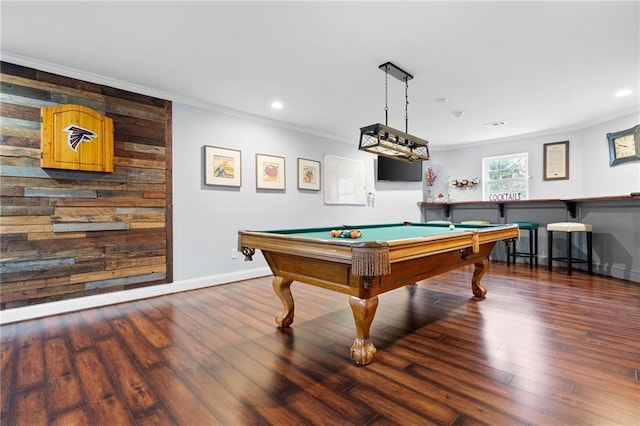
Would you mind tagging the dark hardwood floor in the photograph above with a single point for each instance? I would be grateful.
(540, 349)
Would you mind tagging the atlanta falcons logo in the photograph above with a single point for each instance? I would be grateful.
(77, 135)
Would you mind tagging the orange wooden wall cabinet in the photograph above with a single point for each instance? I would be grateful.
(75, 137)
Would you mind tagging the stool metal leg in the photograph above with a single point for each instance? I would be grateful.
(549, 250)
(535, 231)
(513, 250)
(569, 255)
(590, 253)
(530, 249)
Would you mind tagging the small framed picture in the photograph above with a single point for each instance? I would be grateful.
(308, 174)
(222, 166)
(624, 146)
(556, 161)
(270, 172)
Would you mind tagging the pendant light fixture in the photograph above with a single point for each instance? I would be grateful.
(380, 139)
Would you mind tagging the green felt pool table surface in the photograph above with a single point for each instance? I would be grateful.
(384, 232)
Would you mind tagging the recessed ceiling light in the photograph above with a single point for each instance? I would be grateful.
(495, 124)
(623, 92)
(276, 105)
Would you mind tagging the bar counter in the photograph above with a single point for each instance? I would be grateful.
(615, 220)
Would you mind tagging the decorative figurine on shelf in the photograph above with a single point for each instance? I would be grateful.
(431, 178)
(462, 183)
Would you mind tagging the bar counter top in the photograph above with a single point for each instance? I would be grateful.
(569, 202)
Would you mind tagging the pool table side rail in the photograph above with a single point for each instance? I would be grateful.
(334, 251)
(341, 250)
(401, 250)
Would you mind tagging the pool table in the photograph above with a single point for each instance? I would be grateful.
(383, 258)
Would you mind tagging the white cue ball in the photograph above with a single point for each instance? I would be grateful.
(452, 226)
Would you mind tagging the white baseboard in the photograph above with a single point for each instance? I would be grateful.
(24, 313)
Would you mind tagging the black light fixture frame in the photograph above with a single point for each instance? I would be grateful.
(380, 139)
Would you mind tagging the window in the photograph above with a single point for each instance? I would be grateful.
(505, 178)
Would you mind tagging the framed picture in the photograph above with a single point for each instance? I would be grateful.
(556, 161)
(270, 172)
(222, 166)
(624, 146)
(308, 174)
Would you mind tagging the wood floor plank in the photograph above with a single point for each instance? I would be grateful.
(388, 408)
(502, 397)
(583, 404)
(29, 367)
(146, 328)
(542, 348)
(63, 394)
(159, 417)
(202, 355)
(185, 406)
(78, 416)
(144, 354)
(79, 335)
(7, 368)
(223, 331)
(95, 322)
(63, 384)
(29, 408)
(265, 403)
(310, 380)
(218, 400)
(153, 308)
(104, 404)
(298, 354)
(137, 393)
(53, 326)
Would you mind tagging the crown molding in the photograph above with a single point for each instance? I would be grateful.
(148, 91)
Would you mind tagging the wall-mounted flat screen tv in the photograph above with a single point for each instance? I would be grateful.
(398, 171)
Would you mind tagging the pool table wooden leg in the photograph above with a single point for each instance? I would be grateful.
(479, 270)
(282, 288)
(362, 351)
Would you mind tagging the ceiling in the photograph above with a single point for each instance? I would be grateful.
(538, 66)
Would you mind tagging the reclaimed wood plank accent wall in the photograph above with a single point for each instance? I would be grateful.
(67, 234)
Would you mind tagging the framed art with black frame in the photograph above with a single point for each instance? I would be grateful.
(556, 161)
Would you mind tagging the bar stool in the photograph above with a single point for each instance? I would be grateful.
(570, 228)
(532, 254)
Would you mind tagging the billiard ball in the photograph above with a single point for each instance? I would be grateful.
(452, 226)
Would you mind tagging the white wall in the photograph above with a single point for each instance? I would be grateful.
(598, 178)
(589, 172)
(206, 219)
